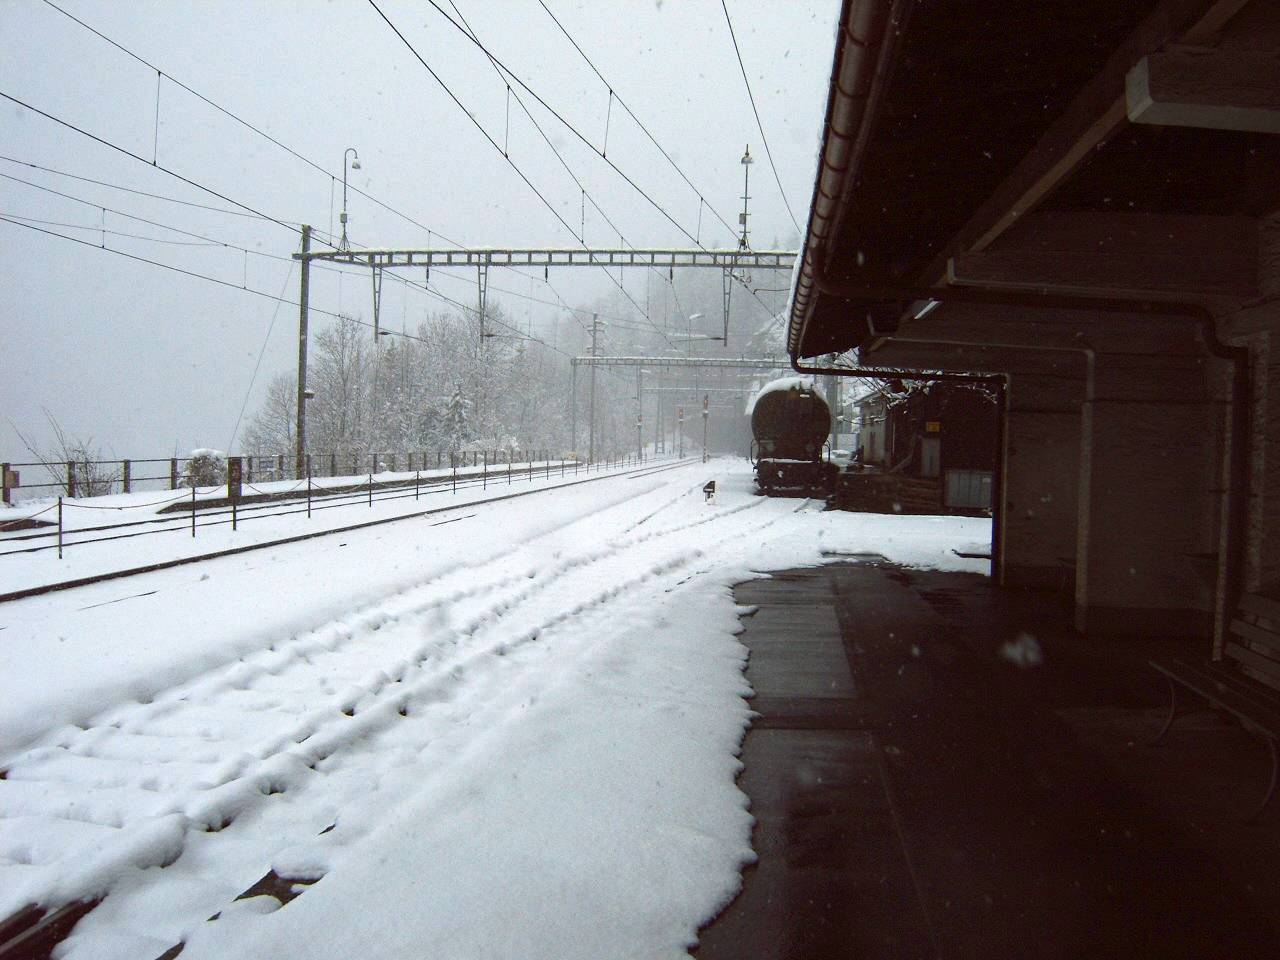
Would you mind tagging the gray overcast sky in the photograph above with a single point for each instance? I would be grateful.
(145, 360)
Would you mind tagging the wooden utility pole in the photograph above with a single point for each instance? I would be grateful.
(303, 295)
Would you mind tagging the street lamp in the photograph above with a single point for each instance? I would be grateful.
(743, 243)
(343, 245)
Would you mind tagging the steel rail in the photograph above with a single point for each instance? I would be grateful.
(234, 551)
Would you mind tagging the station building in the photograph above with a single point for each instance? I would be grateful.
(1081, 198)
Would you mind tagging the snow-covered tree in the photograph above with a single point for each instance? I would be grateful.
(456, 419)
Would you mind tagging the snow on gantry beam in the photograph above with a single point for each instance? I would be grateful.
(553, 257)
(751, 363)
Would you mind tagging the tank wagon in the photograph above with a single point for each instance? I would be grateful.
(789, 425)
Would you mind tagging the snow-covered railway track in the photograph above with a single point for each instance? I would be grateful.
(241, 770)
(53, 587)
(176, 518)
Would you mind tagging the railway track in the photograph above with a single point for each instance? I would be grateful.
(228, 787)
(185, 524)
(218, 512)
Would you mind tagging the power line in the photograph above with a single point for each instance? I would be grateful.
(141, 193)
(572, 129)
(167, 266)
(759, 125)
(546, 106)
(537, 126)
(261, 352)
(622, 103)
(245, 123)
(150, 163)
(203, 240)
(114, 233)
(435, 76)
(120, 213)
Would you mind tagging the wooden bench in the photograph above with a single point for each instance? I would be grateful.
(1245, 682)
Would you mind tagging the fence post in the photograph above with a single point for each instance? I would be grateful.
(453, 459)
(71, 478)
(371, 489)
(484, 484)
(391, 462)
(308, 471)
(308, 491)
(193, 507)
(126, 476)
(4, 483)
(280, 466)
(416, 479)
(333, 464)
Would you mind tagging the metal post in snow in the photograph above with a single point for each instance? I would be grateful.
(308, 493)
(126, 476)
(371, 489)
(304, 296)
(453, 457)
(59, 528)
(417, 476)
(233, 515)
(193, 507)
(484, 485)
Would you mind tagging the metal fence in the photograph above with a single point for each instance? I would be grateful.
(95, 478)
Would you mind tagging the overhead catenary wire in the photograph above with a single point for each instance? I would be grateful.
(614, 95)
(546, 106)
(142, 193)
(204, 240)
(569, 170)
(280, 301)
(245, 123)
(759, 125)
(112, 233)
(571, 128)
(156, 166)
(189, 273)
(485, 133)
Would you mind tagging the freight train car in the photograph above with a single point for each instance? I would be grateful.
(789, 425)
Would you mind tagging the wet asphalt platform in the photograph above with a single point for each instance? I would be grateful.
(919, 794)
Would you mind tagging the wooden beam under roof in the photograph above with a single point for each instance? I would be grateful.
(1205, 87)
(1097, 112)
(1119, 254)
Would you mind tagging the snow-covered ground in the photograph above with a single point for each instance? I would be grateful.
(510, 730)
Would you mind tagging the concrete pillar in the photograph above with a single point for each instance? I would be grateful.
(1262, 552)
(1150, 461)
(1041, 481)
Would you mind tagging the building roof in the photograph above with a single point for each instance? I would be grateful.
(949, 120)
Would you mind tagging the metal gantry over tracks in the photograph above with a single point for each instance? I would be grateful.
(729, 262)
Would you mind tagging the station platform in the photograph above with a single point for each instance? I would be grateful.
(940, 769)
